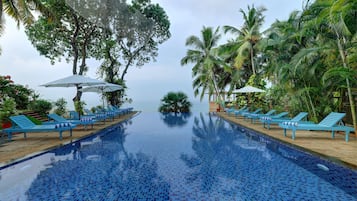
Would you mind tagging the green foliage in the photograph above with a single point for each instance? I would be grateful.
(60, 105)
(19, 93)
(79, 106)
(139, 29)
(41, 106)
(208, 69)
(175, 102)
(34, 120)
(7, 109)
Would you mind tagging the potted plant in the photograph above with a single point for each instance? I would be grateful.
(7, 109)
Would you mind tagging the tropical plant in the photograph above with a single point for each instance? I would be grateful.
(247, 37)
(60, 105)
(208, 67)
(42, 107)
(7, 109)
(340, 15)
(20, 94)
(79, 107)
(175, 102)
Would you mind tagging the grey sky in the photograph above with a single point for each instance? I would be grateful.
(151, 82)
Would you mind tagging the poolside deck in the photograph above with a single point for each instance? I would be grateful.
(36, 143)
(319, 143)
(316, 142)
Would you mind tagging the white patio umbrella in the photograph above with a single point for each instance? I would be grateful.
(74, 81)
(102, 88)
(249, 89)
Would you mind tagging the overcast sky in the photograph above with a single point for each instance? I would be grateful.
(151, 82)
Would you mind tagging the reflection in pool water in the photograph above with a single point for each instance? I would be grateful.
(193, 157)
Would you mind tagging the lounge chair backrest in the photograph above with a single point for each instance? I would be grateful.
(22, 121)
(256, 111)
(73, 115)
(299, 116)
(270, 112)
(56, 117)
(281, 114)
(332, 119)
(243, 108)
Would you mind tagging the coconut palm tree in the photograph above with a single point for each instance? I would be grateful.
(20, 11)
(339, 18)
(208, 67)
(248, 36)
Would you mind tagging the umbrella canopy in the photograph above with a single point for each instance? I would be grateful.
(74, 81)
(249, 89)
(101, 88)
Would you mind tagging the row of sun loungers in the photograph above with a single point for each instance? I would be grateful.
(332, 122)
(56, 123)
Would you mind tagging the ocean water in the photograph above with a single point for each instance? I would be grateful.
(153, 106)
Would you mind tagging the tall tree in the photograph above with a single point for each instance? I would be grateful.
(208, 66)
(22, 11)
(340, 15)
(248, 36)
(70, 36)
(133, 35)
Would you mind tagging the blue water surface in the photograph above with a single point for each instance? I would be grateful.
(176, 157)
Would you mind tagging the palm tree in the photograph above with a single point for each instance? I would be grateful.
(248, 36)
(208, 67)
(175, 102)
(20, 11)
(340, 17)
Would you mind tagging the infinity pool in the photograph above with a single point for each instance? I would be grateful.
(167, 157)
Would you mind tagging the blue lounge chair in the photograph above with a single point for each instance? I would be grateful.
(300, 118)
(21, 124)
(123, 110)
(332, 122)
(109, 114)
(118, 112)
(84, 120)
(241, 111)
(255, 116)
(230, 111)
(247, 113)
(98, 117)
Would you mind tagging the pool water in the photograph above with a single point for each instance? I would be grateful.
(186, 157)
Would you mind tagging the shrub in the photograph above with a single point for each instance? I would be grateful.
(79, 106)
(60, 105)
(19, 93)
(40, 106)
(7, 109)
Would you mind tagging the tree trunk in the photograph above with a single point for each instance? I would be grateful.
(349, 91)
(252, 59)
